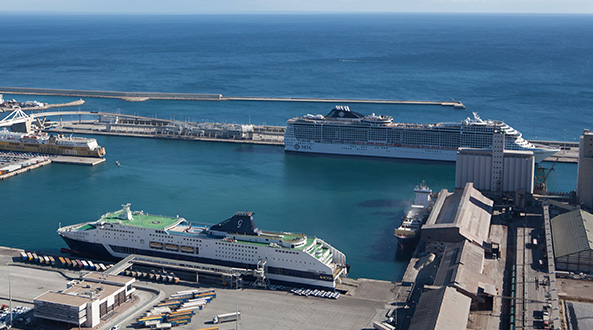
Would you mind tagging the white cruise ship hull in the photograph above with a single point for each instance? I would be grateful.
(448, 155)
(389, 151)
(345, 132)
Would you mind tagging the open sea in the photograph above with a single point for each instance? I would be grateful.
(535, 72)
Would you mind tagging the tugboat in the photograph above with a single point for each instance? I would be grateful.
(408, 233)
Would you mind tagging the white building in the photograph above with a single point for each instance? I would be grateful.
(494, 171)
(585, 171)
(84, 302)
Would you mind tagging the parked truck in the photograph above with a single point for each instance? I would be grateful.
(226, 317)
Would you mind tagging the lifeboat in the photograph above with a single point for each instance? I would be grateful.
(188, 249)
(156, 245)
(171, 247)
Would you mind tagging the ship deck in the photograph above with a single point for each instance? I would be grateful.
(142, 220)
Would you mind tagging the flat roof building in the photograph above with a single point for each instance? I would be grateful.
(456, 217)
(84, 302)
(572, 237)
(442, 309)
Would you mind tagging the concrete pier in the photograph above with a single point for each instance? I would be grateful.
(89, 161)
(24, 169)
(143, 96)
(211, 132)
(47, 106)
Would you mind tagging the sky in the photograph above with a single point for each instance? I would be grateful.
(296, 6)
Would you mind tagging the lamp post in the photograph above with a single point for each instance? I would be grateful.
(10, 296)
(237, 302)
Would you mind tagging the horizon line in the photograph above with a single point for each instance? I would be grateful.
(289, 13)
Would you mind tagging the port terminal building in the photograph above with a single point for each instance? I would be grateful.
(84, 301)
(461, 268)
(572, 236)
(456, 217)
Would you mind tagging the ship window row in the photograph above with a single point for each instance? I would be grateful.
(163, 236)
(289, 252)
(443, 138)
(236, 253)
(118, 230)
(192, 239)
(296, 261)
(230, 244)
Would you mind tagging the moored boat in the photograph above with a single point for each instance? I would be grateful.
(44, 143)
(234, 242)
(345, 132)
(408, 233)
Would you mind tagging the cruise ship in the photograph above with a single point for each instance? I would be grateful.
(234, 242)
(346, 132)
(408, 232)
(44, 143)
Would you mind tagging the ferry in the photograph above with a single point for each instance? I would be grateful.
(234, 242)
(44, 143)
(345, 132)
(408, 233)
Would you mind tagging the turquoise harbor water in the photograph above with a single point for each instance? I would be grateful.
(532, 71)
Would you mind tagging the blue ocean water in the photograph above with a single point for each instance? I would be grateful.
(533, 71)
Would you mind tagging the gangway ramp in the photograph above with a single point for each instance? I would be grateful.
(194, 269)
(121, 266)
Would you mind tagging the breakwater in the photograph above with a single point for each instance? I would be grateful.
(143, 96)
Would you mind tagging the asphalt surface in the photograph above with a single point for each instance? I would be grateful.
(260, 309)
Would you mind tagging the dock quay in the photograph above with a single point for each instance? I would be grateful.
(89, 161)
(260, 308)
(14, 163)
(158, 129)
(143, 96)
(569, 151)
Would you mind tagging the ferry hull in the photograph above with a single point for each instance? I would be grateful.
(106, 252)
(51, 149)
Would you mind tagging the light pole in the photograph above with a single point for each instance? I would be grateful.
(10, 296)
(237, 302)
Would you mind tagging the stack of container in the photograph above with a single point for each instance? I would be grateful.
(63, 262)
(177, 309)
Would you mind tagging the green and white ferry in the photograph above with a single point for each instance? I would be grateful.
(234, 242)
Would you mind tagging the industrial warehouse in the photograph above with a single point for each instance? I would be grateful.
(84, 302)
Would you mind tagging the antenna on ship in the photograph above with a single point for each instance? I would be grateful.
(126, 214)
